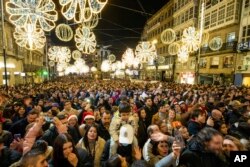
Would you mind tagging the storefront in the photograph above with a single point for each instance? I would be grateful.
(187, 77)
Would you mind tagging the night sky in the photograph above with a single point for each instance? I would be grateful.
(119, 27)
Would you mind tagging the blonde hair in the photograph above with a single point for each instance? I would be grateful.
(236, 141)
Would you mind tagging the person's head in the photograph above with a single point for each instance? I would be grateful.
(231, 143)
(171, 114)
(91, 133)
(116, 161)
(184, 132)
(106, 118)
(54, 106)
(142, 113)
(17, 105)
(124, 111)
(136, 116)
(160, 148)
(216, 114)
(148, 102)
(63, 146)
(72, 120)
(223, 129)
(67, 105)
(21, 110)
(32, 116)
(152, 129)
(199, 116)
(62, 118)
(163, 127)
(102, 109)
(210, 139)
(89, 118)
(221, 106)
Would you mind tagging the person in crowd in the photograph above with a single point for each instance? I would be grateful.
(198, 119)
(65, 153)
(142, 130)
(150, 111)
(68, 110)
(20, 126)
(93, 144)
(89, 120)
(61, 126)
(73, 122)
(6, 136)
(103, 127)
(223, 129)
(116, 123)
(184, 133)
(20, 114)
(7, 155)
(162, 114)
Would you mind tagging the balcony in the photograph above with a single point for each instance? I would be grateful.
(226, 47)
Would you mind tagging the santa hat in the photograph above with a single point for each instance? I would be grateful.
(72, 116)
(88, 115)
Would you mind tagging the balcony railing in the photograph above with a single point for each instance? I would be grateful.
(229, 46)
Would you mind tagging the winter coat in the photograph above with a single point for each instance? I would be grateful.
(142, 135)
(8, 157)
(7, 137)
(194, 127)
(103, 132)
(19, 127)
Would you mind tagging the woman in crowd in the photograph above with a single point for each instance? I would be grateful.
(21, 113)
(65, 153)
(142, 130)
(93, 144)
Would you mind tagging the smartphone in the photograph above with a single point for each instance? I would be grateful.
(17, 136)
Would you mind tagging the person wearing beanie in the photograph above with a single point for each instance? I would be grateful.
(73, 122)
(88, 119)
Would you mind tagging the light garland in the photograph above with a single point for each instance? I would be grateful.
(173, 48)
(85, 40)
(183, 54)
(81, 10)
(59, 54)
(191, 39)
(216, 43)
(168, 36)
(30, 37)
(93, 22)
(128, 57)
(24, 12)
(64, 32)
(145, 52)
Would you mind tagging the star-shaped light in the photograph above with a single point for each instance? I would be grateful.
(145, 52)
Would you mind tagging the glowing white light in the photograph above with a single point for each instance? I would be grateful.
(93, 69)
(145, 51)
(105, 66)
(216, 43)
(111, 58)
(191, 39)
(168, 36)
(76, 54)
(128, 57)
(59, 54)
(24, 12)
(183, 54)
(64, 32)
(173, 48)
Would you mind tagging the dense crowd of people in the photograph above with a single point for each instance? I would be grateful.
(79, 122)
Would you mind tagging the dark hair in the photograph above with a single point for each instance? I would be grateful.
(58, 157)
(31, 157)
(150, 130)
(140, 163)
(114, 161)
(106, 112)
(124, 107)
(33, 112)
(206, 135)
(139, 111)
(145, 100)
(196, 113)
(85, 137)
(155, 146)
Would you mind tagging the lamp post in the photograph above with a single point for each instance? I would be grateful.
(4, 48)
(154, 42)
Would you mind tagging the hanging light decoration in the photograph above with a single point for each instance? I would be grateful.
(205, 38)
(145, 52)
(136, 63)
(59, 54)
(173, 48)
(161, 59)
(81, 10)
(216, 43)
(92, 23)
(168, 36)
(183, 54)
(71, 69)
(191, 39)
(64, 32)
(93, 69)
(79, 63)
(85, 40)
(128, 57)
(84, 69)
(30, 37)
(105, 66)
(111, 58)
(51, 63)
(61, 66)
(24, 12)
(76, 54)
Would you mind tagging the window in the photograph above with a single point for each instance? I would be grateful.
(246, 34)
(228, 62)
(214, 62)
(207, 20)
(231, 37)
(191, 13)
(221, 15)
(186, 15)
(203, 63)
(247, 3)
(213, 18)
(230, 11)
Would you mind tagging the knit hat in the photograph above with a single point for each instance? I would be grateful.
(72, 116)
(88, 115)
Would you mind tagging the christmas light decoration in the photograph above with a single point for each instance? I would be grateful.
(191, 39)
(105, 66)
(216, 43)
(183, 54)
(168, 36)
(76, 54)
(128, 57)
(59, 54)
(64, 32)
(30, 37)
(111, 58)
(145, 52)
(51, 63)
(24, 12)
(85, 40)
(173, 48)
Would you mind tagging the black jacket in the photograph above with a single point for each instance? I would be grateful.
(50, 135)
(195, 156)
(19, 127)
(142, 135)
(194, 127)
(8, 157)
(103, 132)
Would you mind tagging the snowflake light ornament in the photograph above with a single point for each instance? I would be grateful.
(85, 40)
(183, 54)
(145, 52)
(59, 54)
(168, 36)
(191, 39)
(64, 32)
(30, 37)
(81, 10)
(23, 12)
